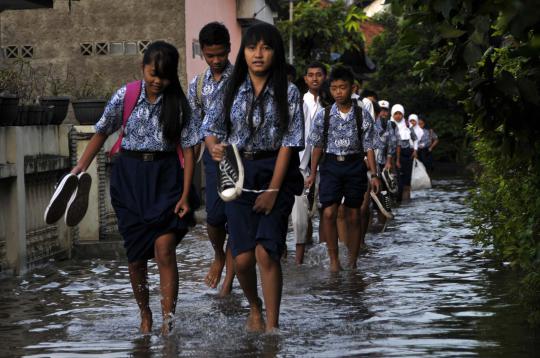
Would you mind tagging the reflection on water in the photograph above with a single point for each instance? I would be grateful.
(421, 289)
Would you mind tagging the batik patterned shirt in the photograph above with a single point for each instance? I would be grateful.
(143, 131)
(385, 140)
(209, 90)
(343, 132)
(265, 133)
(427, 139)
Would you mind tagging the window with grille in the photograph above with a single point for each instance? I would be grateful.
(143, 45)
(102, 48)
(87, 49)
(116, 48)
(131, 48)
(12, 51)
(27, 51)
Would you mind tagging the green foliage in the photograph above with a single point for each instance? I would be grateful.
(320, 30)
(491, 50)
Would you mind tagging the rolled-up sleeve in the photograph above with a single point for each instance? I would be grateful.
(294, 136)
(368, 131)
(111, 120)
(315, 138)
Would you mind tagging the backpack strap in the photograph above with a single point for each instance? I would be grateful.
(326, 126)
(133, 91)
(359, 117)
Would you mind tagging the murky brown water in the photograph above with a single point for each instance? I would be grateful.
(421, 290)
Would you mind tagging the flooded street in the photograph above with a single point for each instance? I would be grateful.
(422, 289)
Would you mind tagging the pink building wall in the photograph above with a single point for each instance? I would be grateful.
(198, 14)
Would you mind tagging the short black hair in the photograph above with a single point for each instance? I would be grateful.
(317, 64)
(368, 93)
(376, 108)
(341, 73)
(291, 70)
(214, 33)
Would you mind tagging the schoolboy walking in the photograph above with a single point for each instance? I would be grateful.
(215, 45)
(343, 134)
(151, 193)
(303, 206)
(261, 115)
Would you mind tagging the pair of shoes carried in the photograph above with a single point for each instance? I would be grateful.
(384, 203)
(230, 174)
(390, 180)
(70, 198)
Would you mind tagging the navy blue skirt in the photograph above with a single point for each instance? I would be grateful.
(144, 194)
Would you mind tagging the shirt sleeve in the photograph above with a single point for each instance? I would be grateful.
(294, 136)
(315, 138)
(391, 139)
(434, 135)
(414, 138)
(368, 131)
(213, 123)
(111, 120)
(196, 109)
(190, 135)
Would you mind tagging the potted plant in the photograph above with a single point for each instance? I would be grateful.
(54, 97)
(91, 97)
(9, 98)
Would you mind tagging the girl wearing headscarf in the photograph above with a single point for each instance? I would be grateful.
(405, 151)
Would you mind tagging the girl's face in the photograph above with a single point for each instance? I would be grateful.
(154, 84)
(413, 122)
(258, 58)
(398, 116)
(421, 123)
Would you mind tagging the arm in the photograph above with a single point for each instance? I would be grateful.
(93, 147)
(315, 158)
(182, 207)
(435, 141)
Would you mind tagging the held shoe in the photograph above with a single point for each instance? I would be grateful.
(390, 180)
(78, 204)
(230, 174)
(383, 202)
(59, 200)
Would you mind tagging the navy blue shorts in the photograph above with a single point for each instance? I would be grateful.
(248, 228)
(425, 156)
(340, 180)
(405, 171)
(144, 203)
(215, 207)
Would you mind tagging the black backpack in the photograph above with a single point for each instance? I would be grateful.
(358, 115)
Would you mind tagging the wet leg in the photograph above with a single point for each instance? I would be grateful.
(138, 275)
(329, 232)
(244, 265)
(226, 288)
(406, 192)
(355, 241)
(272, 285)
(342, 224)
(165, 254)
(300, 250)
(217, 235)
(365, 215)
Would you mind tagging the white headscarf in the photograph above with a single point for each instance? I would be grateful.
(404, 132)
(417, 130)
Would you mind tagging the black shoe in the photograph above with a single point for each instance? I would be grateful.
(230, 174)
(390, 180)
(384, 203)
(60, 198)
(78, 204)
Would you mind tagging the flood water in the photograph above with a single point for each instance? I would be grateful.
(422, 289)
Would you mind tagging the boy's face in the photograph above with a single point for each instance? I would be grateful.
(216, 56)
(384, 113)
(421, 123)
(341, 91)
(314, 79)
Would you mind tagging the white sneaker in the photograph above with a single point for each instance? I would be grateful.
(78, 204)
(59, 200)
(230, 174)
(390, 180)
(383, 202)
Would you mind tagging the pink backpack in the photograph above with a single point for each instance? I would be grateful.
(133, 91)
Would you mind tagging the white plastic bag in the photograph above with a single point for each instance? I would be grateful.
(419, 178)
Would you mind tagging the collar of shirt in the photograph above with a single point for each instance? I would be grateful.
(309, 98)
(143, 96)
(335, 111)
(246, 88)
(226, 73)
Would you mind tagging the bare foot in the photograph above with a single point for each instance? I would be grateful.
(214, 274)
(226, 288)
(335, 266)
(168, 325)
(146, 322)
(255, 321)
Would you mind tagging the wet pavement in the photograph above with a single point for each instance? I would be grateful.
(422, 289)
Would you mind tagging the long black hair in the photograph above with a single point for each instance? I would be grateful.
(277, 73)
(164, 57)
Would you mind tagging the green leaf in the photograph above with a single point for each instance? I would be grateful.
(472, 54)
(444, 7)
(448, 31)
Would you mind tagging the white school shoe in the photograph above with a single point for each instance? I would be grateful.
(230, 174)
(78, 203)
(60, 198)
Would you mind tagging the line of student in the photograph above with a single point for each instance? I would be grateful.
(253, 106)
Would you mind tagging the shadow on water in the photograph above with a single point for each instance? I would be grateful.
(422, 289)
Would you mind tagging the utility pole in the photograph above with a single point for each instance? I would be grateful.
(291, 55)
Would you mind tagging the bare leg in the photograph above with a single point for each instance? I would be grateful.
(138, 275)
(329, 232)
(354, 240)
(226, 288)
(364, 218)
(272, 285)
(406, 192)
(244, 265)
(342, 224)
(300, 250)
(217, 235)
(165, 254)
